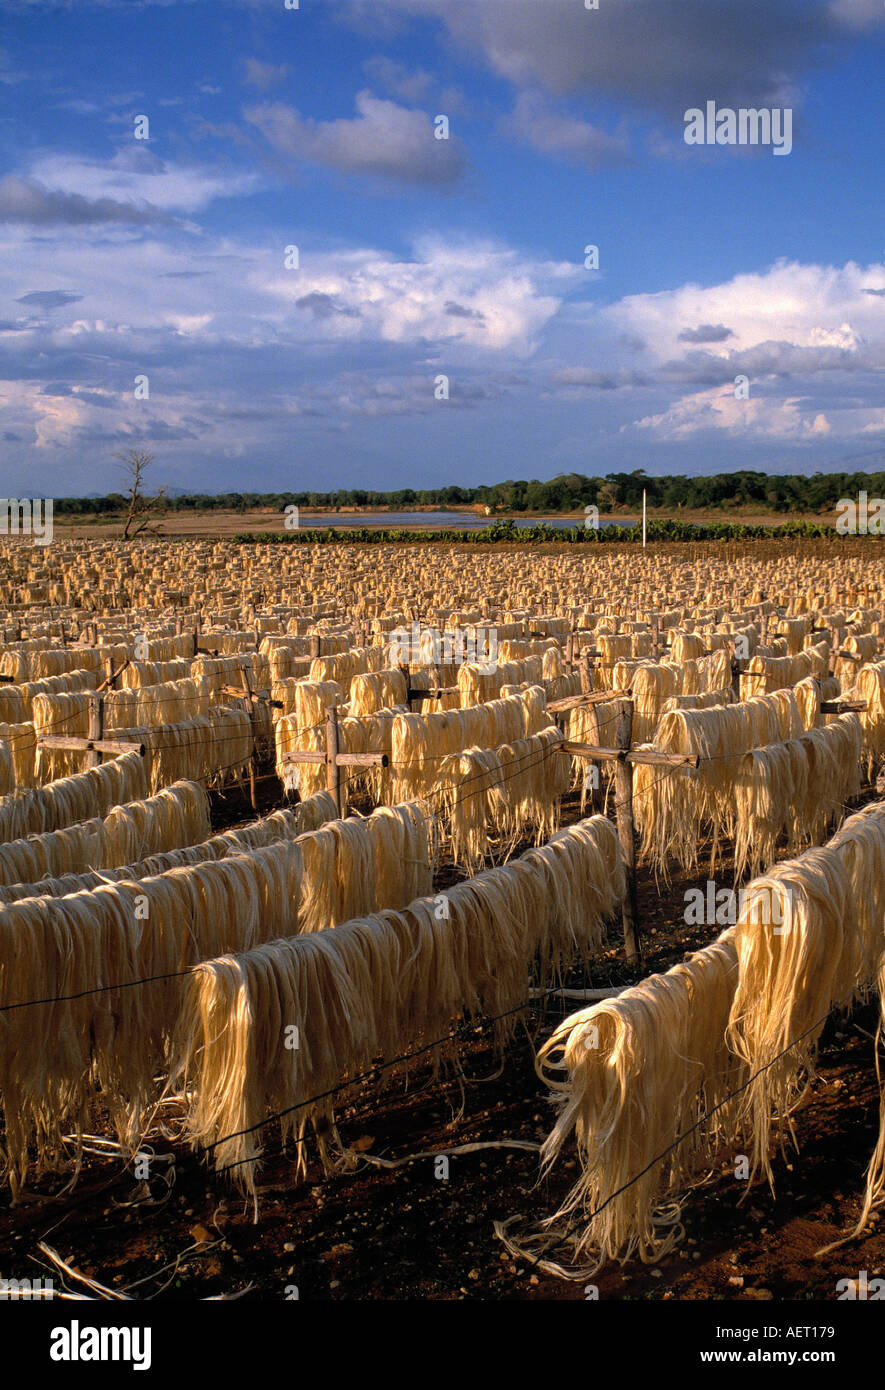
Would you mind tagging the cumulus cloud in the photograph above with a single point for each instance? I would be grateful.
(31, 202)
(719, 409)
(664, 54)
(563, 136)
(135, 175)
(797, 305)
(384, 140)
(483, 297)
(410, 84)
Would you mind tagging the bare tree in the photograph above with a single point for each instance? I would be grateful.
(140, 507)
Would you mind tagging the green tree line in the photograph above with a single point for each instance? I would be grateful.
(616, 492)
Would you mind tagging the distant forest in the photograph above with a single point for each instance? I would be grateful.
(616, 492)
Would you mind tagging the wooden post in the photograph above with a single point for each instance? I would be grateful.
(403, 667)
(333, 770)
(315, 646)
(570, 652)
(95, 730)
(586, 674)
(593, 730)
(736, 678)
(624, 814)
(250, 710)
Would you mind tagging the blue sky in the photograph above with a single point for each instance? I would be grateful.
(421, 257)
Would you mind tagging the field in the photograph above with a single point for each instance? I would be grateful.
(219, 523)
(343, 880)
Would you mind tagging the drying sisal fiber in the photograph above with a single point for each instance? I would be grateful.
(481, 684)
(871, 689)
(215, 747)
(343, 666)
(375, 690)
(798, 953)
(767, 673)
(307, 701)
(631, 1074)
(874, 1191)
(369, 734)
(672, 807)
(22, 740)
(703, 700)
(652, 686)
(686, 646)
(510, 789)
(177, 816)
(420, 742)
(354, 866)
(16, 701)
(736, 1027)
(377, 986)
(279, 825)
(158, 926)
(82, 797)
(795, 788)
(112, 1041)
(140, 673)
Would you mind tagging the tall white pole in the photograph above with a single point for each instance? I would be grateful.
(643, 518)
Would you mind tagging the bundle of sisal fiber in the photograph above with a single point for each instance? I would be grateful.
(376, 986)
(71, 799)
(177, 816)
(279, 825)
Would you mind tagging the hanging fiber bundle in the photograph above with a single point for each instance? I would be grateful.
(631, 1075)
(375, 690)
(373, 987)
(81, 797)
(279, 825)
(480, 684)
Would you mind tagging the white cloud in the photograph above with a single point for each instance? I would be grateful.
(136, 175)
(797, 305)
(483, 297)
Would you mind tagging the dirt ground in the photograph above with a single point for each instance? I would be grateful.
(405, 1233)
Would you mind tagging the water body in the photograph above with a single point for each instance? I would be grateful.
(455, 521)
